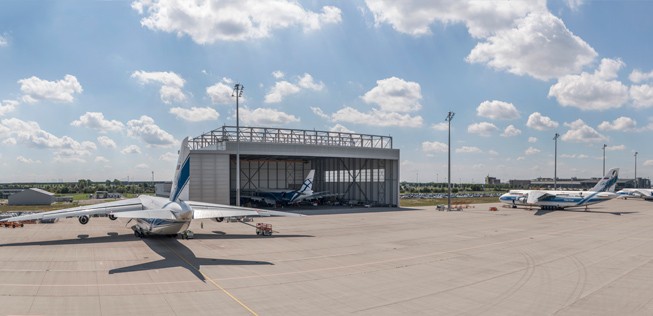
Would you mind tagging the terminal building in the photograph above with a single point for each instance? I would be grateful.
(353, 168)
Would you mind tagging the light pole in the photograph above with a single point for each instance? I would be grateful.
(238, 92)
(555, 162)
(635, 182)
(448, 119)
(604, 145)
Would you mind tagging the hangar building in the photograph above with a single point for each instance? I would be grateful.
(31, 196)
(357, 168)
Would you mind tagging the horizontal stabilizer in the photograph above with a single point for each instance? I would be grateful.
(160, 214)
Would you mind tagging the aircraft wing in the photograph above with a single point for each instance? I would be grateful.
(209, 210)
(114, 207)
(536, 196)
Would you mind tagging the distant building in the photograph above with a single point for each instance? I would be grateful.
(5, 193)
(163, 189)
(31, 196)
(492, 180)
(520, 184)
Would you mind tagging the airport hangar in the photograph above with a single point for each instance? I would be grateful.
(356, 168)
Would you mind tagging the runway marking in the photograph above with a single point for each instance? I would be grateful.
(213, 282)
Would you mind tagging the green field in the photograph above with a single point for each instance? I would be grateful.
(433, 202)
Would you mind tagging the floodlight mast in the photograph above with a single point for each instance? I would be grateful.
(450, 116)
(238, 92)
(636, 183)
(604, 145)
(555, 162)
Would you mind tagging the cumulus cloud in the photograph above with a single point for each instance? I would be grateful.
(434, 147)
(622, 124)
(35, 89)
(208, 22)
(278, 74)
(540, 122)
(145, 129)
(28, 161)
(171, 84)
(616, 148)
(340, 129)
(266, 116)
(101, 159)
(531, 151)
(574, 156)
(195, 114)
(540, 46)
(510, 131)
(532, 139)
(395, 95)
(9, 141)
(638, 76)
(106, 142)
(642, 96)
(648, 163)
(318, 111)
(598, 91)
(96, 121)
(579, 132)
(131, 149)
(4, 41)
(484, 129)
(142, 166)
(282, 89)
(169, 156)
(7, 106)
(468, 150)
(220, 93)
(497, 110)
(442, 127)
(376, 118)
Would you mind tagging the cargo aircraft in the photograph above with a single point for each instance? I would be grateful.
(558, 200)
(646, 194)
(157, 215)
(286, 196)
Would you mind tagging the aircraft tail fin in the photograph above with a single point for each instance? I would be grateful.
(307, 186)
(608, 183)
(179, 188)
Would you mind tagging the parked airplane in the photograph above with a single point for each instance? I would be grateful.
(557, 200)
(646, 194)
(157, 215)
(286, 196)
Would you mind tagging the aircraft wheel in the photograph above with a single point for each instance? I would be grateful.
(136, 234)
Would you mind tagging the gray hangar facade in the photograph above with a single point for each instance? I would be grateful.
(350, 167)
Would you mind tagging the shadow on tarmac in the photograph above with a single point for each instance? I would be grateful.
(544, 212)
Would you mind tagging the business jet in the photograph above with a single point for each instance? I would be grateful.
(646, 194)
(157, 215)
(558, 200)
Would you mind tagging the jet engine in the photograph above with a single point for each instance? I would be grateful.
(219, 219)
(83, 219)
(112, 217)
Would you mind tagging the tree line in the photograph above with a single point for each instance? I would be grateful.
(87, 186)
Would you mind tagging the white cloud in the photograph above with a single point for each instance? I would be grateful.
(540, 122)
(35, 89)
(540, 45)
(7, 106)
(469, 150)
(169, 156)
(622, 123)
(220, 93)
(282, 89)
(318, 111)
(484, 129)
(642, 96)
(637, 76)
(521, 158)
(9, 141)
(442, 127)
(106, 142)
(497, 110)
(278, 74)
(27, 160)
(616, 148)
(171, 84)
(648, 163)
(207, 22)
(196, 114)
(395, 95)
(131, 149)
(598, 91)
(96, 120)
(434, 147)
(531, 151)
(101, 159)
(145, 129)
(340, 129)
(266, 116)
(579, 132)
(4, 41)
(376, 118)
(574, 156)
(532, 139)
(493, 152)
(142, 166)
(574, 5)
(510, 131)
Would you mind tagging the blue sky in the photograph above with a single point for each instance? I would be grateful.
(107, 89)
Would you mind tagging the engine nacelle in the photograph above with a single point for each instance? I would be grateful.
(219, 219)
(112, 217)
(83, 219)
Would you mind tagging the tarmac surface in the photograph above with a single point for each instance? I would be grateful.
(365, 262)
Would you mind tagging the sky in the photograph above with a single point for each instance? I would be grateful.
(108, 89)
